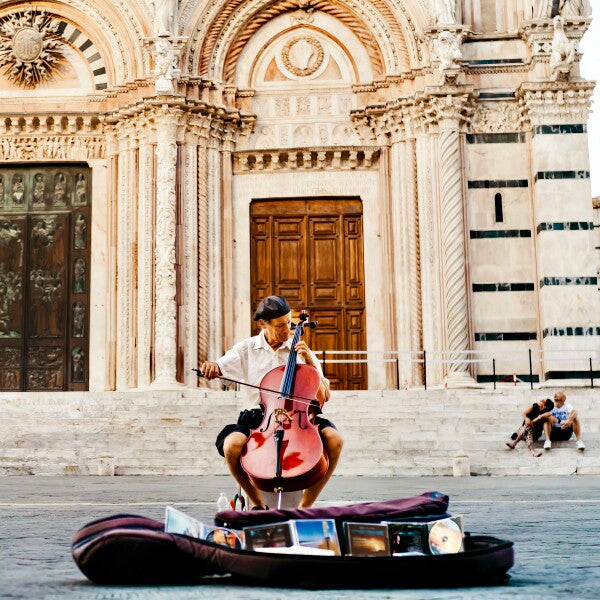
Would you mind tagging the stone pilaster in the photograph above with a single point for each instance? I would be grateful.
(145, 267)
(190, 209)
(125, 336)
(165, 324)
(448, 110)
(214, 312)
(405, 239)
(428, 214)
(563, 226)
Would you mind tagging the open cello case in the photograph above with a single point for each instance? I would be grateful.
(129, 549)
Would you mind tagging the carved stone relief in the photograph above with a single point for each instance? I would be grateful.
(80, 198)
(303, 55)
(60, 190)
(80, 232)
(77, 365)
(78, 319)
(10, 292)
(31, 50)
(495, 117)
(39, 189)
(18, 190)
(79, 271)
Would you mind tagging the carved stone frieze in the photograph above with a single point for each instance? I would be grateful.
(554, 103)
(495, 117)
(305, 159)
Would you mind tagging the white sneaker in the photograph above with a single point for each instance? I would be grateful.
(547, 445)
(580, 445)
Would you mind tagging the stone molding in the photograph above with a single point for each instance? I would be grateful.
(323, 158)
(555, 103)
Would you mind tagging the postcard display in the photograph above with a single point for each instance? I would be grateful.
(320, 537)
(397, 542)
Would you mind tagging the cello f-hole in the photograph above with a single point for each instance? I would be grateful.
(267, 425)
(300, 413)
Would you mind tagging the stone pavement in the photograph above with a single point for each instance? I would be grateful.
(553, 521)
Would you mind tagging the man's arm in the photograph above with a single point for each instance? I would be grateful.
(568, 422)
(306, 354)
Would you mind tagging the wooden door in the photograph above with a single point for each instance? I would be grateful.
(44, 277)
(311, 252)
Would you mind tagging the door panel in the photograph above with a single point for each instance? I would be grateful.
(310, 251)
(44, 268)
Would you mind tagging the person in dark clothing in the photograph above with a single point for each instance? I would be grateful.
(533, 425)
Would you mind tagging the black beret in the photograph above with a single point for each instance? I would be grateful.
(271, 308)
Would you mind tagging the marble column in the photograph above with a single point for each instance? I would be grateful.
(407, 299)
(145, 267)
(112, 150)
(125, 334)
(214, 312)
(448, 112)
(165, 324)
(429, 248)
(189, 321)
(569, 304)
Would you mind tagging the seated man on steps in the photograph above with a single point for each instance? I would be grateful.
(561, 423)
(533, 424)
(249, 361)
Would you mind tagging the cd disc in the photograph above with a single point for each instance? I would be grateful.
(445, 537)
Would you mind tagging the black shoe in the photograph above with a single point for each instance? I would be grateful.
(257, 507)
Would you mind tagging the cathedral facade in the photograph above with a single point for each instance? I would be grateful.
(415, 173)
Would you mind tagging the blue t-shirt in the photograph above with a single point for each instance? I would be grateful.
(561, 414)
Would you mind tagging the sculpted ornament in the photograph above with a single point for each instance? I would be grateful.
(547, 9)
(447, 48)
(166, 19)
(302, 56)
(445, 12)
(31, 50)
(563, 52)
(495, 117)
(164, 67)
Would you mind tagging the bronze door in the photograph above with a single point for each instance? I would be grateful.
(311, 252)
(44, 277)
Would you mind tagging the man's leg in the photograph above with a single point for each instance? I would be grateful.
(547, 432)
(333, 443)
(577, 428)
(232, 448)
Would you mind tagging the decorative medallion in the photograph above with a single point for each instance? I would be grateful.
(302, 56)
(31, 50)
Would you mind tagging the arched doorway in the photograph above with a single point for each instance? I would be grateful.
(44, 276)
(311, 252)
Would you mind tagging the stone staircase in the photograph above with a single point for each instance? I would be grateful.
(387, 433)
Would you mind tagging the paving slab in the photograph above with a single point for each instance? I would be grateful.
(553, 521)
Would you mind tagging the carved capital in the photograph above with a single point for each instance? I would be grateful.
(555, 103)
(447, 107)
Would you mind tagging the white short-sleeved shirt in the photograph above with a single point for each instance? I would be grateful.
(250, 360)
(562, 413)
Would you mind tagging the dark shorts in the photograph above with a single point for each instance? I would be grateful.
(561, 435)
(251, 419)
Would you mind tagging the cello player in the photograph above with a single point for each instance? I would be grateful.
(249, 361)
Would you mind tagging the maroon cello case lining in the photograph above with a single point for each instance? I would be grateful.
(129, 549)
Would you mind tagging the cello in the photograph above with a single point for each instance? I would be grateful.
(285, 452)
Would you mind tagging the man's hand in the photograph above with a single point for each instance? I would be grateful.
(303, 351)
(210, 370)
(565, 425)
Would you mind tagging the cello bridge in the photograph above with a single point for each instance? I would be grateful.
(282, 414)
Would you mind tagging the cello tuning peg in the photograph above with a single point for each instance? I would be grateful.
(312, 324)
(293, 326)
